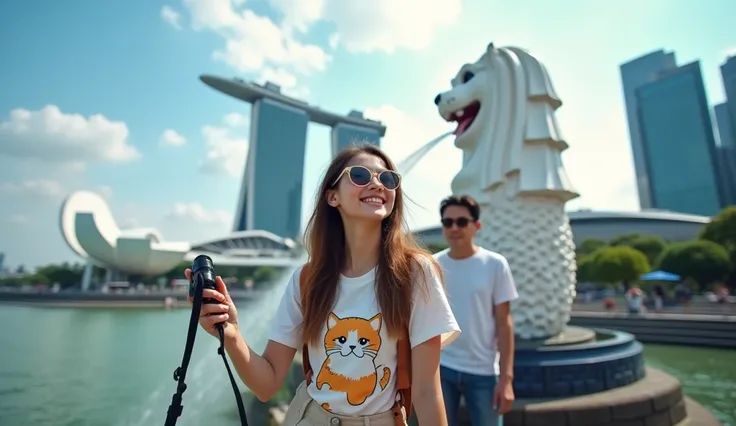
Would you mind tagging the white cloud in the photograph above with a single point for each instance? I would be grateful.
(171, 16)
(254, 42)
(42, 188)
(197, 213)
(225, 152)
(599, 161)
(236, 119)
(286, 81)
(53, 136)
(299, 14)
(373, 25)
(171, 137)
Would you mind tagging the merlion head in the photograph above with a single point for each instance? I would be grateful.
(469, 98)
(504, 106)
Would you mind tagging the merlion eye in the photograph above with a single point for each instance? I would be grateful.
(468, 76)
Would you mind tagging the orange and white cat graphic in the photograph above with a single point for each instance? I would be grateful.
(351, 346)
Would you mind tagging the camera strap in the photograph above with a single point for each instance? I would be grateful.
(175, 409)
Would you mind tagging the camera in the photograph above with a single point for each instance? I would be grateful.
(203, 276)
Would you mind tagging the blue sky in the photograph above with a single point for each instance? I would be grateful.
(113, 76)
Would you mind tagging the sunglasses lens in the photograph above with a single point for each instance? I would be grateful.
(461, 222)
(360, 176)
(389, 179)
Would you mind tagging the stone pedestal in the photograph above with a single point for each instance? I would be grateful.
(656, 400)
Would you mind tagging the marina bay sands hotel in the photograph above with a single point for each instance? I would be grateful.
(271, 192)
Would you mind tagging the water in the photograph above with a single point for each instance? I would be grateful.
(707, 375)
(66, 367)
(88, 367)
(412, 160)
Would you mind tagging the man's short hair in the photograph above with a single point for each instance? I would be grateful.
(463, 201)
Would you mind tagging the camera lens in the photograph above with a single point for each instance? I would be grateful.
(203, 271)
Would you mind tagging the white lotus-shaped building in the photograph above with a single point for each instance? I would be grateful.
(91, 232)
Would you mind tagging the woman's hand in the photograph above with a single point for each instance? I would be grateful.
(215, 313)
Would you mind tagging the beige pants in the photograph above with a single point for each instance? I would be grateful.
(303, 411)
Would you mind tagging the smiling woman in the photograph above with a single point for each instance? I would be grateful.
(368, 309)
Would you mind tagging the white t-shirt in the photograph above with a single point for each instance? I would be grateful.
(354, 370)
(474, 285)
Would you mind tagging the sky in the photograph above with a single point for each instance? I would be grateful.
(105, 96)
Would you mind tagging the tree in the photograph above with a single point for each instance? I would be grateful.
(265, 274)
(586, 269)
(619, 264)
(589, 246)
(703, 261)
(624, 240)
(66, 275)
(651, 246)
(722, 229)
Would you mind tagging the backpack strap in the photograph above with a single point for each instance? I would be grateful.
(305, 351)
(403, 366)
(403, 372)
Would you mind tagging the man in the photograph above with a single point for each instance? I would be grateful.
(479, 364)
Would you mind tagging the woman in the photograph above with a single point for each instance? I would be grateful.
(365, 285)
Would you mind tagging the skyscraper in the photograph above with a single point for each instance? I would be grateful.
(677, 142)
(271, 192)
(344, 135)
(723, 123)
(635, 74)
(725, 114)
(728, 76)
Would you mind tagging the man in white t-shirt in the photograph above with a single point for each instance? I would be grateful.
(479, 364)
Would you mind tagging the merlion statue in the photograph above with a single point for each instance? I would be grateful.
(505, 105)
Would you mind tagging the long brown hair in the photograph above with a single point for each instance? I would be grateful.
(398, 263)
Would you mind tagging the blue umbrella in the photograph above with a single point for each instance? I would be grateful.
(660, 276)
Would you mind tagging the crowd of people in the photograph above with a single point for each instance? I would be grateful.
(680, 295)
(384, 326)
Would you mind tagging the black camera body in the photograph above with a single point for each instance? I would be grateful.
(203, 276)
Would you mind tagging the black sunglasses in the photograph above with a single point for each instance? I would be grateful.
(461, 222)
(362, 176)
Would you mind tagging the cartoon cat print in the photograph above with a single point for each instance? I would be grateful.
(351, 345)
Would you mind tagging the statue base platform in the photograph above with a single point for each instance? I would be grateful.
(578, 361)
(656, 400)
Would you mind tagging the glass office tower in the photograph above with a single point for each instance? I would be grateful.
(635, 74)
(726, 152)
(678, 143)
(345, 135)
(728, 76)
(723, 123)
(271, 194)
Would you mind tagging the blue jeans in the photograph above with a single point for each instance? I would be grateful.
(478, 393)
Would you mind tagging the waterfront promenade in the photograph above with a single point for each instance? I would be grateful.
(702, 324)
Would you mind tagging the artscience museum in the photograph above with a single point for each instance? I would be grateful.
(90, 231)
